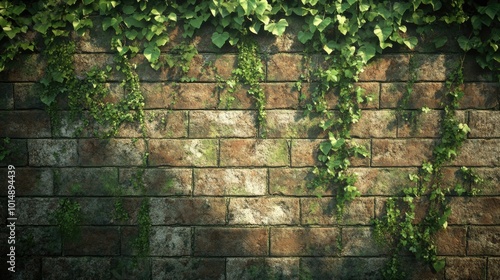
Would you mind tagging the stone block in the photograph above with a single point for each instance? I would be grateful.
(231, 242)
(223, 182)
(185, 152)
(251, 152)
(264, 211)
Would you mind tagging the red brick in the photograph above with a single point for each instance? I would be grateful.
(375, 124)
(25, 124)
(480, 96)
(465, 268)
(304, 241)
(188, 152)
(111, 152)
(170, 241)
(102, 241)
(214, 124)
(398, 152)
(425, 124)
(179, 95)
(479, 152)
(231, 242)
(250, 152)
(214, 181)
(263, 211)
(239, 99)
(483, 241)
(294, 182)
(484, 124)
(323, 211)
(475, 210)
(425, 94)
(281, 95)
(156, 182)
(188, 211)
(452, 241)
(358, 241)
(305, 152)
(386, 68)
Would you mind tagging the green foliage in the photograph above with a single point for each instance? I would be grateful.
(141, 243)
(68, 217)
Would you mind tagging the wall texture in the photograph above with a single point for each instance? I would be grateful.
(224, 202)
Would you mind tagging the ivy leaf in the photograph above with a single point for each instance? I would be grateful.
(440, 41)
(277, 28)
(304, 36)
(463, 42)
(382, 32)
(325, 147)
(411, 42)
(196, 22)
(366, 52)
(219, 39)
(152, 53)
(128, 10)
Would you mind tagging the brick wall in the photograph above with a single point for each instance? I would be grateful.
(225, 203)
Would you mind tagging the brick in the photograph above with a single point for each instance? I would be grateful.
(6, 96)
(95, 40)
(304, 241)
(131, 267)
(438, 67)
(342, 268)
(483, 241)
(294, 182)
(424, 124)
(41, 241)
(493, 268)
(102, 241)
(285, 67)
(230, 242)
(28, 68)
(305, 153)
(480, 96)
(223, 182)
(425, 94)
(48, 152)
(85, 62)
(68, 267)
(176, 152)
(102, 181)
(465, 268)
(27, 96)
(156, 182)
(491, 184)
(214, 124)
(332, 96)
(263, 211)
(401, 152)
(452, 241)
(287, 42)
(188, 211)
(33, 182)
(97, 210)
(262, 268)
(250, 152)
(386, 68)
(475, 210)
(375, 124)
(179, 95)
(188, 268)
(170, 241)
(26, 268)
(358, 241)
(293, 124)
(239, 99)
(35, 211)
(111, 152)
(18, 152)
(479, 152)
(166, 124)
(25, 124)
(484, 124)
(473, 72)
(323, 211)
(382, 181)
(281, 95)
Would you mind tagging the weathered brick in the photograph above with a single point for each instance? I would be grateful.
(304, 241)
(100, 181)
(358, 241)
(376, 124)
(484, 124)
(437, 67)
(323, 211)
(262, 268)
(213, 181)
(399, 152)
(27, 96)
(465, 268)
(43, 241)
(29, 68)
(156, 182)
(474, 72)
(179, 95)
(6, 96)
(281, 95)
(285, 67)
(18, 152)
(287, 42)
(111, 152)
(386, 68)
(26, 268)
(85, 62)
(293, 124)
(230, 242)
(237, 98)
(264, 211)
(170, 241)
(491, 177)
(188, 211)
(35, 211)
(305, 152)
(49, 152)
(452, 241)
(294, 181)
(483, 241)
(213, 124)
(69, 267)
(130, 267)
(102, 241)
(424, 124)
(475, 210)
(166, 124)
(95, 39)
(250, 152)
(371, 89)
(192, 152)
(97, 210)
(424, 94)
(188, 268)
(25, 124)
(493, 268)
(479, 152)
(480, 96)
(342, 268)
(33, 181)
(382, 181)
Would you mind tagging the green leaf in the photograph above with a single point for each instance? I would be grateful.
(128, 10)
(411, 42)
(152, 53)
(440, 41)
(219, 39)
(304, 36)
(382, 32)
(277, 28)
(463, 42)
(367, 52)
(325, 147)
